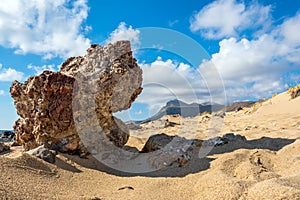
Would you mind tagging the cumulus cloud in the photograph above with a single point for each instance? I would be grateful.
(225, 18)
(290, 29)
(9, 74)
(48, 28)
(1, 92)
(257, 67)
(168, 80)
(39, 69)
(122, 32)
(288, 32)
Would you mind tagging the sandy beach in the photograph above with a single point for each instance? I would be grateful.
(265, 166)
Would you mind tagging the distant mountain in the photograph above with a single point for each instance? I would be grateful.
(185, 110)
(189, 110)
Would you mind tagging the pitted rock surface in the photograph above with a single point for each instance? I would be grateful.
(107, 77)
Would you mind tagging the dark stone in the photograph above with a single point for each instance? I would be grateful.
(156, 142)
(43, 153)
(7, 136)
(170, 124)
(4, 147)
(238, 109)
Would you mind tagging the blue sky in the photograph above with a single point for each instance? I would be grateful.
(253, 45)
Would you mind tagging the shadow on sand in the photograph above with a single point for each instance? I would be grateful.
(195, 165)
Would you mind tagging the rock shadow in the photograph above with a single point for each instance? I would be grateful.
(66, 166)
(196, 164)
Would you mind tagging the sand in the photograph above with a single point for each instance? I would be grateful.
(267, 167)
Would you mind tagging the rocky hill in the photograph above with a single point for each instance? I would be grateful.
(176, 106)
(183, 109)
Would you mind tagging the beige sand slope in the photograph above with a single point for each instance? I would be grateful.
(266, 167)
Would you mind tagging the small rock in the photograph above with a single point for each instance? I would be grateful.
(7, 136)
(218, 141)
(170, 124)
(219, 114)
(3, 147)
(182, 161)
(43, 153)
(238, 109)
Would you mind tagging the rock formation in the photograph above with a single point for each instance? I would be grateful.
(111, 81)
(165, 150)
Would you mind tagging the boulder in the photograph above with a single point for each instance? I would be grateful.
(106, 80)
(156, 142)
(165, 150)
(43, 153)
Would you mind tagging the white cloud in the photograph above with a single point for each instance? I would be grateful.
(47, 28)
(1, 92)
(39, 69)
(290, 29)
(125, 33)
(167, 80)
(257, 67)
(9, 74)
(225, 18)
(288, 32)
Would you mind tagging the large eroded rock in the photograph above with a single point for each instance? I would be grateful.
(107, 77)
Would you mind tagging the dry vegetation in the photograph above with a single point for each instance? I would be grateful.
(294, 91)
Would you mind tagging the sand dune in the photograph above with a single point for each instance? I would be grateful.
(265, 166)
